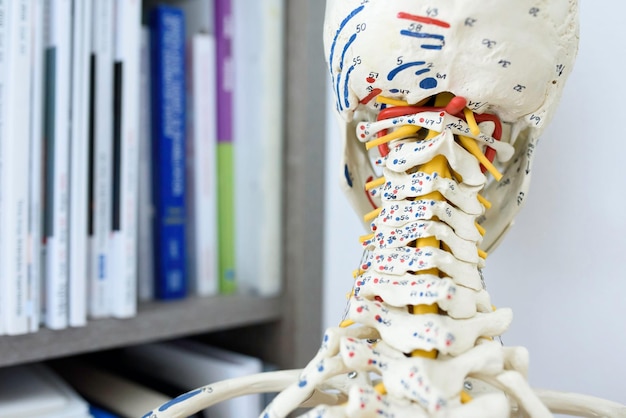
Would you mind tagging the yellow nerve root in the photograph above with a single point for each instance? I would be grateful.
(372, 215)
(471, 121)
(484, 202)
(471, 145)
(390, 101)
(375, 183)
(346, 323)
(380, 389)
(402, 132)
(465, 397)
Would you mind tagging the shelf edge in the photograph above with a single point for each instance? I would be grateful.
(154, 321)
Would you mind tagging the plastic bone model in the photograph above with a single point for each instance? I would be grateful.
(447, 98)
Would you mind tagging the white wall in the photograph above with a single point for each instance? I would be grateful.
(560, 267)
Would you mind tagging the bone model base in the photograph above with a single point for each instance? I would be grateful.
(443, 102)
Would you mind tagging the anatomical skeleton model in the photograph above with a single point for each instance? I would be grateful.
(442, 102)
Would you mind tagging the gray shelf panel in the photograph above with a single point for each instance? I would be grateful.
(154, 321)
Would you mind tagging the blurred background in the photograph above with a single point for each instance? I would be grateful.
(560, 266)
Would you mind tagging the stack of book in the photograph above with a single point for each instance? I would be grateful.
(140, 155)
(130, 382)
(126, 383)
(36, 391)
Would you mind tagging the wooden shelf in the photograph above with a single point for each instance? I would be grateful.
(154, 321)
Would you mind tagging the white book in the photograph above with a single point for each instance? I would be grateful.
(189, 365)
(58, 46)
(258, 142)
(15, 144)
(145, 209)
(127, 47)
(202, 166)
(4, 44)
(100, 164)
(35, 272)
(35, 391)
(79, 158)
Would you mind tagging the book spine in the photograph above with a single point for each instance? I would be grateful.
(246, 146)
(226, 221)
(126, 158)
(57, 164)
(202, 167)
(258, 56)
(168, 130)
(272, 137)
(100, 160)
(79, 157)
(22, 136)
(144, 195)
(4, 44)
(35, 165)
(14, 143)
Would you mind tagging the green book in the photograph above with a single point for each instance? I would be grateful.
(226, 217)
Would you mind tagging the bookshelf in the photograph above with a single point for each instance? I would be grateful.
(155, 321)
(285, 330)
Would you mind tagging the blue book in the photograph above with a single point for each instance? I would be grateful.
(167, 26)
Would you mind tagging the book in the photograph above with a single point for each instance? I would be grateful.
(202, 167)
(167, 45)
(202, 263)
(117, 394)
(79, 158)
(4, 44)
(201, 271)
(123, 242)
(258, 142)
(56, 154)
(190, 364)
(35, 183)
(100, 158)
(14, 124)
(36, 391)
(145, 257)
(224, 22)
(15, 151)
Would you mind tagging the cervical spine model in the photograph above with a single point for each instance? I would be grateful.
(442, 104)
